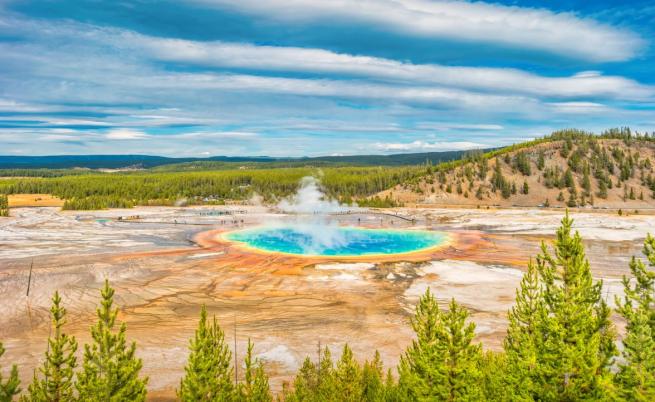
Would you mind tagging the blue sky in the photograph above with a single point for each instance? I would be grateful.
(314, 77)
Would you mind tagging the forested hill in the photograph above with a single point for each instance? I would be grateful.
(569, 168)
(147, 161)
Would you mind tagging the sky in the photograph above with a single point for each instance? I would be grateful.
(317, 77)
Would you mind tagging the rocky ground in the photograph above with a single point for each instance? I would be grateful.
(166, 262)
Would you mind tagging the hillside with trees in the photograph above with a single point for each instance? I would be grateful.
(569, 168)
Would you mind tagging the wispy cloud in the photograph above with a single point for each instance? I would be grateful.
(273, 58)
(423, 146)
(95, 87)
(529, 28)
(126, 134)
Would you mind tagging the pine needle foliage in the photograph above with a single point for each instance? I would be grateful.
(560, 340)
(255, 388)
(442, 363)
(636, 376)
(208, 373)
(110, 371)
(10, 386)
(55, 383)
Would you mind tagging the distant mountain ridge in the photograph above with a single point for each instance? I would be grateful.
(150, 161)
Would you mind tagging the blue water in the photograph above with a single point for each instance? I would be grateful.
(336, 241)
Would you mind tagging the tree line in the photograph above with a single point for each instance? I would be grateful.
(560, 346)
(124, 190)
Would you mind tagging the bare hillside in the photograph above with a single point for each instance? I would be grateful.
(570, 169)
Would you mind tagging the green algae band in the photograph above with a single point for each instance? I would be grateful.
(336, 241)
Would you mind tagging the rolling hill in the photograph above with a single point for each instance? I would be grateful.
(569, 168)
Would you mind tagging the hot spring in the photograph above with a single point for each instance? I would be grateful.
(310, 240)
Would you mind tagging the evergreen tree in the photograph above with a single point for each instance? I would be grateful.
(573, 346)
(208, 373)
(526, 188)
(10, 386)
(373, 387)
(586, 181)
(568, 179)
(541, 160)
(602, 189)
(4, 205)
(110, 371)
(522, 341)
(60, 362)
(305, 385)
(636, 376)
(573, 198)
(391, 389)
(326, 378)
(441, 364)
(348, 378)
(255, 388)
(494, 378)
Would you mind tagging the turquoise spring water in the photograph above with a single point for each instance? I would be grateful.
(336, 241)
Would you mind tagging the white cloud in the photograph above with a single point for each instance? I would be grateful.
(215, 135)
(221, 54)
(579, 107)
(530, 28)
(423, 146)
(459, 126)
(126, 134)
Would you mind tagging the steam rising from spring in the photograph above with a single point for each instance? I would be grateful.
(312, 209)
(309, 199)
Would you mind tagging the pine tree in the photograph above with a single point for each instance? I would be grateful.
(391, 389)
(60, 362)
(636, 376)
(602, 189)
(586, 181)
(418, 370)
(526, 188)
(573, 198)
(541, 161)
(441, 364)
(255, 388)
(560, 197)
(208, 373)
(10, 386)
(494, 378)
(373, 387)
(110, 370)
(575, 339)
(348, 378)
(522, 341)
(326, 379)
(305, 385)
(4, 205)
(568, 179)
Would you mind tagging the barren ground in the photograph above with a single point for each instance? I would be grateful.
(166, 262)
